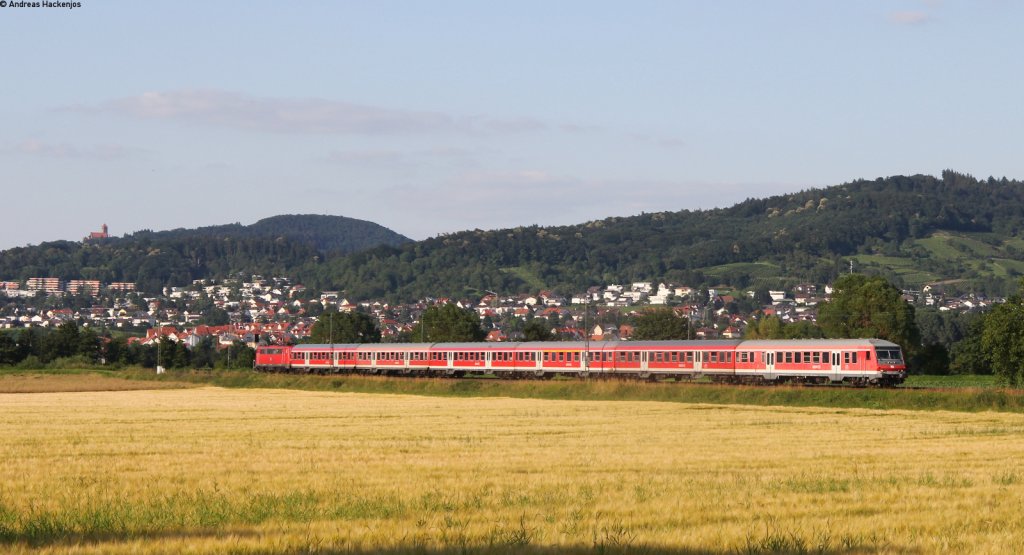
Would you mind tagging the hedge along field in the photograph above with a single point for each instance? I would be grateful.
(258, 471)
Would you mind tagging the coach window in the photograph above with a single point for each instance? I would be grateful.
(867, 355)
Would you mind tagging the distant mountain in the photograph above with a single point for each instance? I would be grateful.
(274, 246)
(914, 230)
(330, 235)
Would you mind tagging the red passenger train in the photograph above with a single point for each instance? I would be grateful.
(821, 361)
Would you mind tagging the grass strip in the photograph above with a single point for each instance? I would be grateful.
(972, 399)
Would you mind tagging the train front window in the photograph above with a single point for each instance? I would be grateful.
(889, 355)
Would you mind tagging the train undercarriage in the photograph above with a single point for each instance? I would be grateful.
(882, 380)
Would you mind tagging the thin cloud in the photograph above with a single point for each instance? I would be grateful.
(665, 142)
(299, 115)
(909, 17)
(34, 147)
(386, 158)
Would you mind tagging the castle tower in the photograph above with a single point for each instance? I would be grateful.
(105, 234)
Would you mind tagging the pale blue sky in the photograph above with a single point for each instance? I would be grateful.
(433, 117)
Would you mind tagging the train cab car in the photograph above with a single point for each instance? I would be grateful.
(889, 361)
(853, 361)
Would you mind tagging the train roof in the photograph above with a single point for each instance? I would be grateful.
(812, 343)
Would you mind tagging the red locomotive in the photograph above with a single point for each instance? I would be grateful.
(820, 361)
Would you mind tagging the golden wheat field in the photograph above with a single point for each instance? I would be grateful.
(261, 471)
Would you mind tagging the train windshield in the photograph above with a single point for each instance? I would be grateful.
(889, 354)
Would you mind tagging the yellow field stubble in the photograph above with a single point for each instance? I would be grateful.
(270, 470)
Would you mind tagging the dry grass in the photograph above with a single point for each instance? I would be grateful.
(253, 471)
(37, 382)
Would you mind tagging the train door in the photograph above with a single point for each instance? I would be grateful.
(644, 359)
(769, 361)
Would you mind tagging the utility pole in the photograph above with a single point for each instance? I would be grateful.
(586, 335)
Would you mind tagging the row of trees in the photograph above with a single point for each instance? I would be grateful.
(69, 344)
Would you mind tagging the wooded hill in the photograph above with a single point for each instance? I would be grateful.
(280, 245)
(914, 230)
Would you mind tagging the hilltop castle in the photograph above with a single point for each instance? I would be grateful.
(102, 234)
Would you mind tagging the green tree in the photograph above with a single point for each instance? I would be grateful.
(89, 344)
(238, 355)
(932, 359)
(1003, 339)
(8, 349)
(765, 327)
(344, 327)
(801, 330)
(968, 356)
(864, 306)
(538, 329)
(215, 317)
(62, 343)
(660, 324)
(448, 323)
(204, 354)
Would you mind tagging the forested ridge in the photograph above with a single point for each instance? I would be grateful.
(800, 236)
(811, 235)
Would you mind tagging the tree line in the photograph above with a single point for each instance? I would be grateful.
(69, 345)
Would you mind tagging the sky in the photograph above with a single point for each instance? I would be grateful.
(441, 116)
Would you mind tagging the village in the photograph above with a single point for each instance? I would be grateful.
(275, 311)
